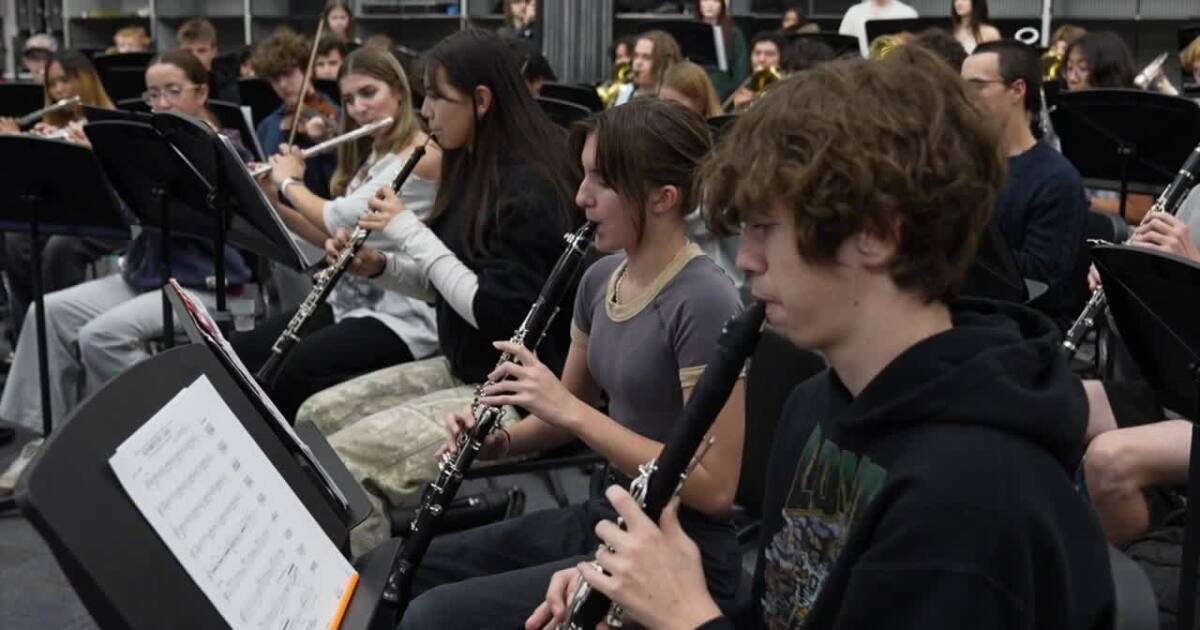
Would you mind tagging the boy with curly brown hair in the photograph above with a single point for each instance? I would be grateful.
(925, 479)
(281, 59)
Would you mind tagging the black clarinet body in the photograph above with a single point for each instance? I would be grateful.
(662, 478)
(323, 286)
(438, 494)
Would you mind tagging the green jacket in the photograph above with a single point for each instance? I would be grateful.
(739, 67)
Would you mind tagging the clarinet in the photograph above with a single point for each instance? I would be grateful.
(662, 478)
(323, 286)
(1167, 202)
(438, 494)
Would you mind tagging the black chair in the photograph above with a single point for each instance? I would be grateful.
(258, 94)
(563, 114)
(720, 124)
(581, 95)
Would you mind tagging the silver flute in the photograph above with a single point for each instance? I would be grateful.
(334, 142)
(1167, 202)
(31, 119)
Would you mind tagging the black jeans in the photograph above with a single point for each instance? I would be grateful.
(327, 354)
(496, 575)
(64, 264)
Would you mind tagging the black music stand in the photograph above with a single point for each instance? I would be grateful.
(842, 45)
(122, 571)
(36, 199)
(994, 274)
(1128, 139)
(701, 43)
(232, 117)
(329, 88)
(159, 186)
(1154, 298)
(876, 28)
(256, 93)
(582, 95)
(563, 113)
(18, 99)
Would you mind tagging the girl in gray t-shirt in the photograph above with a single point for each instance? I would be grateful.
(645, 321)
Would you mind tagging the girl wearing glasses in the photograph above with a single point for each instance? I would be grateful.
(98, 328)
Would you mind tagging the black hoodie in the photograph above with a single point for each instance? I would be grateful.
(940, 497)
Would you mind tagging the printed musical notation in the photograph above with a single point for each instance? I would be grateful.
(229, 517)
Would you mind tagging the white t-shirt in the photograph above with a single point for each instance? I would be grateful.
(855, 21)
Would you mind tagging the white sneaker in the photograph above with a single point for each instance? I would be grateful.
(8, 480)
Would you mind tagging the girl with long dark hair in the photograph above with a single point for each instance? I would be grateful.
(969, 21)
(482, 255)
(737, 55)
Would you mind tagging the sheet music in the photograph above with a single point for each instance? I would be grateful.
(202, 323)
(722, 59)
(229, 517)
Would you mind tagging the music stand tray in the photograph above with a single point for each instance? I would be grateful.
(18, 99)
(1153, 298)
(701, 43)
(1128, 140)
(53, 187)
(876, 28)
(104, 545)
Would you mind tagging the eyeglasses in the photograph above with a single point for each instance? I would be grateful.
(172, 93)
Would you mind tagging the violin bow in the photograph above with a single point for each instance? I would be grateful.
(312, 60)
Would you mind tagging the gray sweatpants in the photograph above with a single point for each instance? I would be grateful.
(94, 331)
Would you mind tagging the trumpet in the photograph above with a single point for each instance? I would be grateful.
(622, 75)
(756, 83)
(334, 142)
(1152, 77)
(31, 119)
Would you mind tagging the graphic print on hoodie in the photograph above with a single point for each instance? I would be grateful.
(941, 496)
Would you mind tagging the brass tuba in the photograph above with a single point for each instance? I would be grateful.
(1052, 61)
(756, 83)
(885, 45)
(1153, 77)
(608, 91)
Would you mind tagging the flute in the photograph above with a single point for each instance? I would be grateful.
(334, 142)
(30, 119)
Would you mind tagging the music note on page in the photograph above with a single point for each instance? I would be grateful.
(230, 518)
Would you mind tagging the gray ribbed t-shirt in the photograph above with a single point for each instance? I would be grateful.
(644, 353)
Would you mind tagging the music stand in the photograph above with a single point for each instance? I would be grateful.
(842, 45)
(876, 28)
(232, 116)
(155, 182)
(701, 43)
(583, 95)
(108, 550)
(1153, 299)
(1130, 139)
(18, 99)
(563, 113)
(124, 82)
(258, 94)
(37, 200)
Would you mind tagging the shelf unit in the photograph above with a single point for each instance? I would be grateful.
(418, 25)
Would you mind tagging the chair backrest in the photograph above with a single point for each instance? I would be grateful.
(582, 95)
(1137, 607)
(776, 368)
(563, 114)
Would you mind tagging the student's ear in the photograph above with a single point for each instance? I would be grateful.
(876, 249)
(483, 100)
(665, 199)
